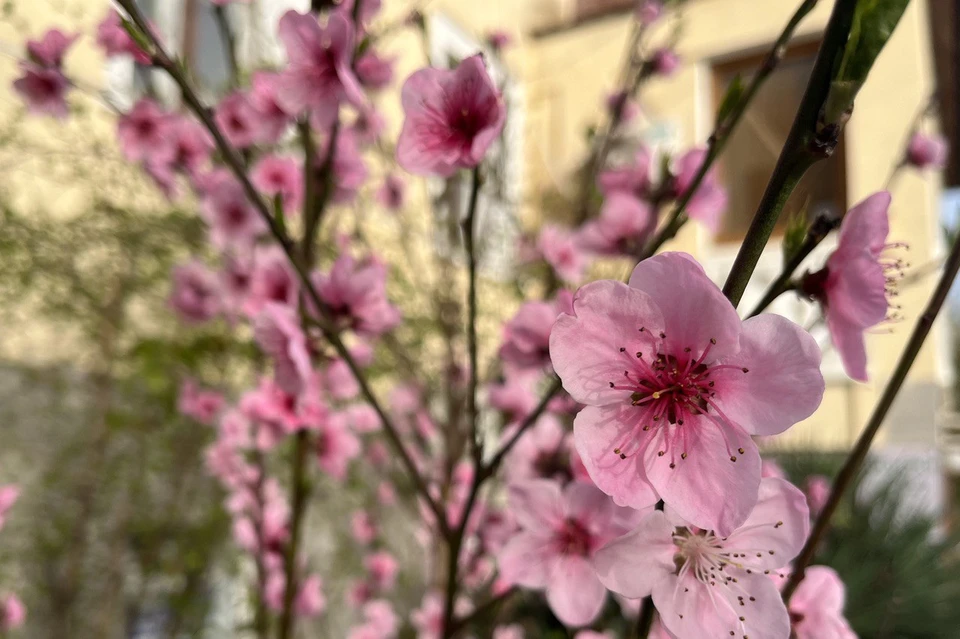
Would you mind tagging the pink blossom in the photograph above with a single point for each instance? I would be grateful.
(380, 615)
(310, 601)
(386, 494)
(649, 11)
(274, 411)
(8, 497)
(560, 530)
(355, 293)
(632, 178)
(706, 584)
(362, 527)
(368, 8)
(513, 631)
(271, 280)
(362, 418)
(382, 568)
(854, 285)
(514, 396)
(428, 618)
(237, 119)
(340, 382)
(336, 446)
(499, 40)
(349, 168)
(624, 225)
(817, 489)
(675, 384)
(391, 193)
(279, 335)
(280, 176)
(526, 337)
(271, 118)
(12, 613)
(373, 71)
(816, 608)
(143, 131)
(198, 403)
(231, 217)
(770, 468)
(592, 634)
(318, 76)
(195, 295)
(562, 252)
(50, 50)
(709, 202)
(43, 89)
(367, 128)
(452, 118)
(925, 151)
(628, 107)
(187, 146)
(115, 40)
(664, 62)
(542, 452)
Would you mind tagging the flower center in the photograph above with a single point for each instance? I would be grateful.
(574, 539)
(701, 552)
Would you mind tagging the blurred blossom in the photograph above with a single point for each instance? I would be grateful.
(391, 193)
(271, 119)
(709, 201)
(336, 446)
(628, 107)
(232, 220)
(198, 403)
(12, 613)
(8, 497)
(817, 489)
(237, 120)
(562, 252)
(665, 62)
(382, 568)
(373, 71)
(499, 40)
(816, 608)
(632, 178)
(926, 150)
(362, 527)
(115, 40)
(649, 11)
(143, 131)
(43, 89)
(623, 227)
(770, 468)
(368, 126)
(542, 452)
(310, 601)
(355, 293)
(513, 631)
(526, 337)
(452, 118)
(272, 279)
(195, 294)
(279, 335)
(428, 618)
(280, 176)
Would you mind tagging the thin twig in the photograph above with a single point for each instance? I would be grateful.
(491, 468)
(469, 224)
(229, 42)
(807, 143)
(645, 619)
(163, 60)
(858, 454)
(724, 129)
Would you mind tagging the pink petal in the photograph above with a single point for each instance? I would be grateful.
(527, 561)
(596, 433)
(574, 593)
(631, 565)
(593, 348)
(708, 488)
(696, 316)
(583, 502)
(848, 339)
(776, 529)
(784, 384)
(867, 223)
(537, 504)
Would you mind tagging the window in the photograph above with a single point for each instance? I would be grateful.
(755, 145)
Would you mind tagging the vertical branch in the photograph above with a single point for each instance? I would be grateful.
(858, 454)
(229, 42)
(645, 618)
(806, 144)
(469, 223)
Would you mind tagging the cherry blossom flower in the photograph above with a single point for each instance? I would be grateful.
(562, 252)
(391, 193)
(8, 497)
(43, 89)
(513, 631)
(198, 403)
(560, 530)
(380, 621)
(355, 293)
(115, 40)
(49, 50)
(649, 11)
(143, 131)
(310, 601)
(336, 446)
(271, 118)
(231, 217)
(280, 176)
(187, 146)
(428, 618)
(382, 568)
(279, 335)
(514, 396)
(816, 607)
(349, 168)
(195, 294)
(854, 285)
(709, 202)
(770, 468)
(817, 489)
(664, 62)
(623, 227)
(318, 76)
(367, 127)
(632, 178)
(362, 527)
(452, 118)
(362, 418)
(374, 71)
(526, 337)
(13, 613)
(542, 452)
(674, 386)
(925, 151)
(705, 584)
(628, 107)
(237, 119)
(499, 40)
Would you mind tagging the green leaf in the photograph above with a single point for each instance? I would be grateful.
(731, 98)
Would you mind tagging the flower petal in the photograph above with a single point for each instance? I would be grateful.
(784, 384)
(632, 564)
(526, 561)
(537, 504)
(595, 346)
(574, 593)
(596, 433)
(849, 341)
(694, 310)
(715, 486)
(777, 528)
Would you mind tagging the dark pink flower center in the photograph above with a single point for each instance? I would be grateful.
(573, 539)
(669, 389)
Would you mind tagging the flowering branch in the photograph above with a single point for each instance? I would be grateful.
(810, 140)
(491, 468)
(234, 162)
(725, 126)
(470, 248)
(858, 454)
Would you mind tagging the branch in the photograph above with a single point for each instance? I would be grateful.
(725, 127)
(806, 144)
(163, 60)
(470, 249)
(645, 619)
(858, 454)
(230, 42)
(491, 468)
(482, 609)
(301, 492)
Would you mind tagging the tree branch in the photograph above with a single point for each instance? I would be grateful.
(470, 249)
(858, 454)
